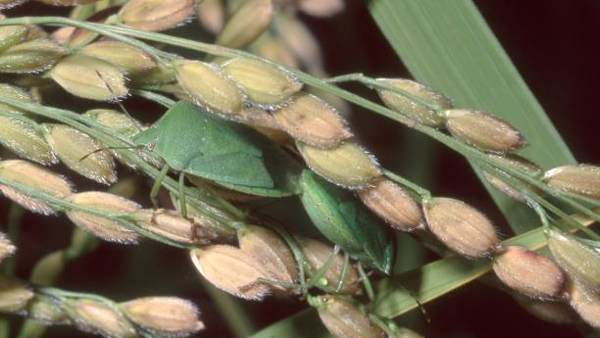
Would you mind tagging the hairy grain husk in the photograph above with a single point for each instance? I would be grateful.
(483, 131)
(345, 320)
(518, 163)
(46, 310)
(210, 87)
(529, 273)
(581, 179)
(312, 121)
(318, 253)
(586, 304)
(90, 78)
(97, 317)
(410, 108)
(581, 262)
(271, 251)
(14, 93)
(6, 4)
(126, 57)
(6, 247)
(14, 295)
(461, 227)
(246, 24)
(81, 153)
(347, 165)
(156, 15)
(168, 316)
(35, 177)
(266, 84)
(115, 120)
(23, 137)
(103, 227)
(12, 35)
(232, 270)
(171, 224)
(392, 203)
(31, 56)
(264, 123)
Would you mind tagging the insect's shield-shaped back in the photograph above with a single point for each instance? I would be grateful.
(199, 143)
(345, 221)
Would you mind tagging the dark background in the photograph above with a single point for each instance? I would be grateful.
(554, 44)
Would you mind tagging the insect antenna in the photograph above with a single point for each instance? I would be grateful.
(135, 123)
(108, 148)
(117, 102)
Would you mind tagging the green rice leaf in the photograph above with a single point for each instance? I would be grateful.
(448, 46)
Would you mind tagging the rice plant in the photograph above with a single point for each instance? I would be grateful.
(190, 168)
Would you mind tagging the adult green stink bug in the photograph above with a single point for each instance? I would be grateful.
(346, 222)
(195, 142)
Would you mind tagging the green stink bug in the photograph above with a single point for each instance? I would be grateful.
(346, 222)
(195, 142)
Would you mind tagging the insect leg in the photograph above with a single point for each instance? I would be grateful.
(157, 184)
(182, 203)
(366, 282)
(342, 280)
(323, 270)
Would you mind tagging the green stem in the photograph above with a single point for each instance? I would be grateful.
(152, 96)
(59, 293)
(340, 284)
(374, 83)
